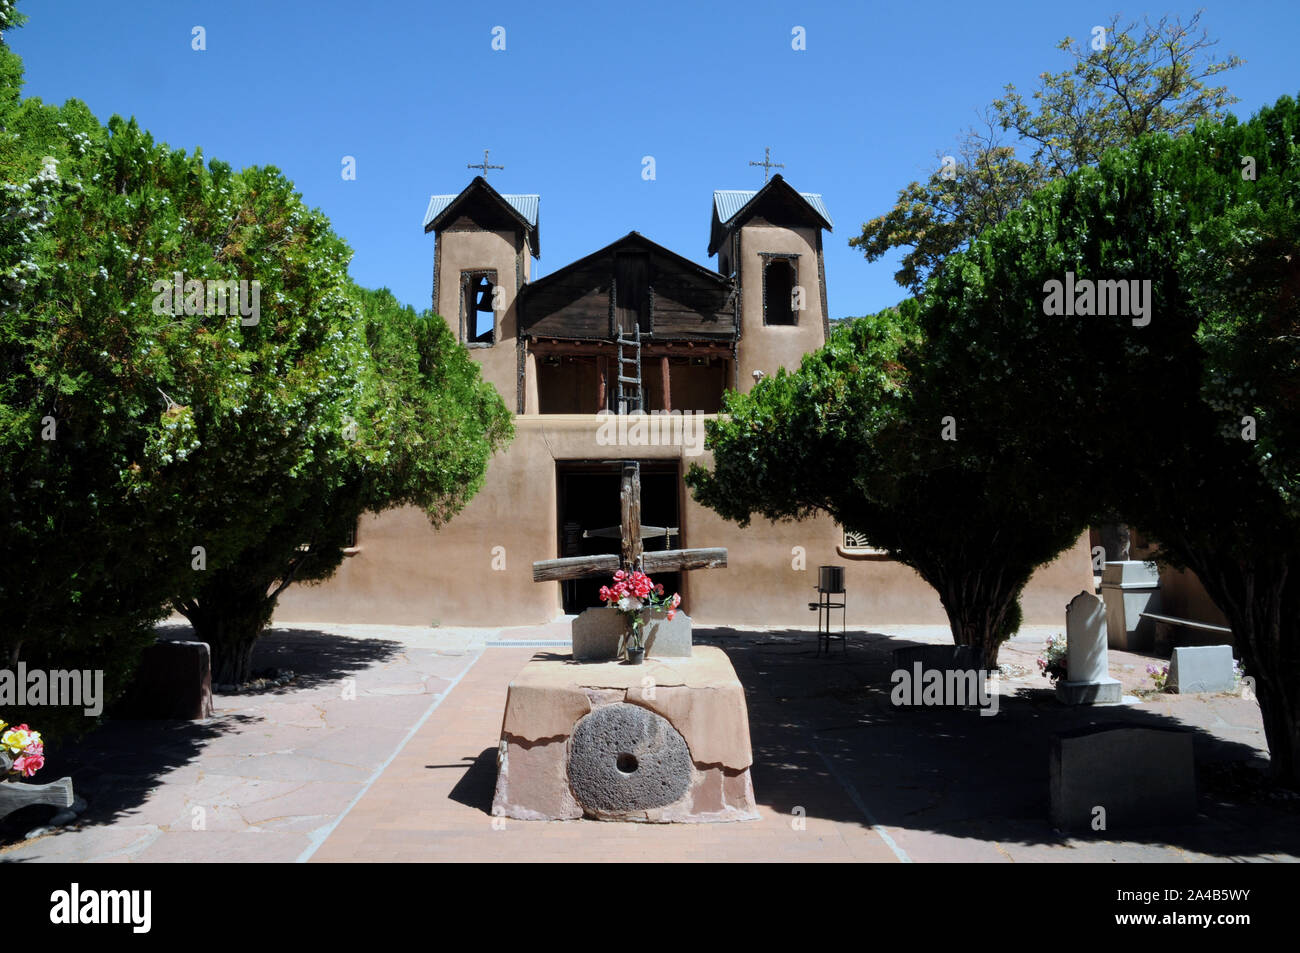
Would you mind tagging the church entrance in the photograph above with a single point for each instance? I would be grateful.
(587, 494)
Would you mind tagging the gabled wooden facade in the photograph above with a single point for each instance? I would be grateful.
(631, 282)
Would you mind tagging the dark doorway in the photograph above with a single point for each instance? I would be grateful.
(588, 501)
(632, 292)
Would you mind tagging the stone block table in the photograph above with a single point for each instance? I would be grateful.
(660, 742)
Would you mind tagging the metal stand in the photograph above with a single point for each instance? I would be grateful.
(830, 584)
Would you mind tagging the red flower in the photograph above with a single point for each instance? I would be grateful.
(28, 764)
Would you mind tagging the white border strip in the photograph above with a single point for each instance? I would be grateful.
(861, 806)
(321, 834)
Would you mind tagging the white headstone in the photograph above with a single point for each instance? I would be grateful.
(1087, 678)
(1085, 639)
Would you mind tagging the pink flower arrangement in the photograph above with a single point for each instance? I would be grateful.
(634, 594)
(24, 748)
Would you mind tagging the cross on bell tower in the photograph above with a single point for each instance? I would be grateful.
(767, 162)
(484, 165)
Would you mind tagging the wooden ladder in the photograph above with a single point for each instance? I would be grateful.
(629, 386)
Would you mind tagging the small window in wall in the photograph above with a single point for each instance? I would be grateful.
(855, 544)
(480, 319)
(778, 291)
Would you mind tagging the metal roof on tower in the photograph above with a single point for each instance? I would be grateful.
(733, 207)
(524, 209)
(727, 202)
(525, 205)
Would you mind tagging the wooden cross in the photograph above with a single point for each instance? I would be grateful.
(632, 556)
(483, 165)
(767, 162)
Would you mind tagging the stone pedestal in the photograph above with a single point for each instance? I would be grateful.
(173, 680)
(660, 742)
(1087, 677)
(598, 635)
(1130, 587)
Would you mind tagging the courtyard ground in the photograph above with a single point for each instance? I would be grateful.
(383, 748)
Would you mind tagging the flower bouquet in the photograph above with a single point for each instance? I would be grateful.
(1052, 662)
(22, 752)
(635, 595)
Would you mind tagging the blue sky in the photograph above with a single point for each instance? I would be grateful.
(414, 91)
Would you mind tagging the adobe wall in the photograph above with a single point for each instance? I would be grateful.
(407, 574)
(474, 251)
(770, 347)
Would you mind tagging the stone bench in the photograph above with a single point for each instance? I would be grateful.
(1207, 630)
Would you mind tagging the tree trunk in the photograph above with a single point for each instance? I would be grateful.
(982, 614)
(230, 622)
(1262, 603)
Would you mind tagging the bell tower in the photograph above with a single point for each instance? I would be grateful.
(484, 243)
(770, 243)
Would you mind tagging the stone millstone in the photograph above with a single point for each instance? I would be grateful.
(625, 758)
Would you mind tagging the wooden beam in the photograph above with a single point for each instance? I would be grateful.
(663, 370)
(630, 503)
(602, 382)
(676, 560)
(719, 349)
(574, 567)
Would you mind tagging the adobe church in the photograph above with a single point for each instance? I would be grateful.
(631, 326)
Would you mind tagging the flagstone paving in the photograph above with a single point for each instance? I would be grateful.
(267, 775)
(384, 749)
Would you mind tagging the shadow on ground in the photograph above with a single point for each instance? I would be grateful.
(477, 785)
(313, 656)
(115, 767)
(828, 740)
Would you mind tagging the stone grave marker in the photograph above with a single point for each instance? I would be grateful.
(1201, 668)
(1087, 677)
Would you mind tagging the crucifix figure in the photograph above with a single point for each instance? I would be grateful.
(484, 165)
(633, 555)
(767, 162)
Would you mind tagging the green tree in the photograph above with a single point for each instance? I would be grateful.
(168, 434)
(419, 429)
(76, 591)
(1180, 413)
(865, 432)
(1175, 405)
(1124, 82)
